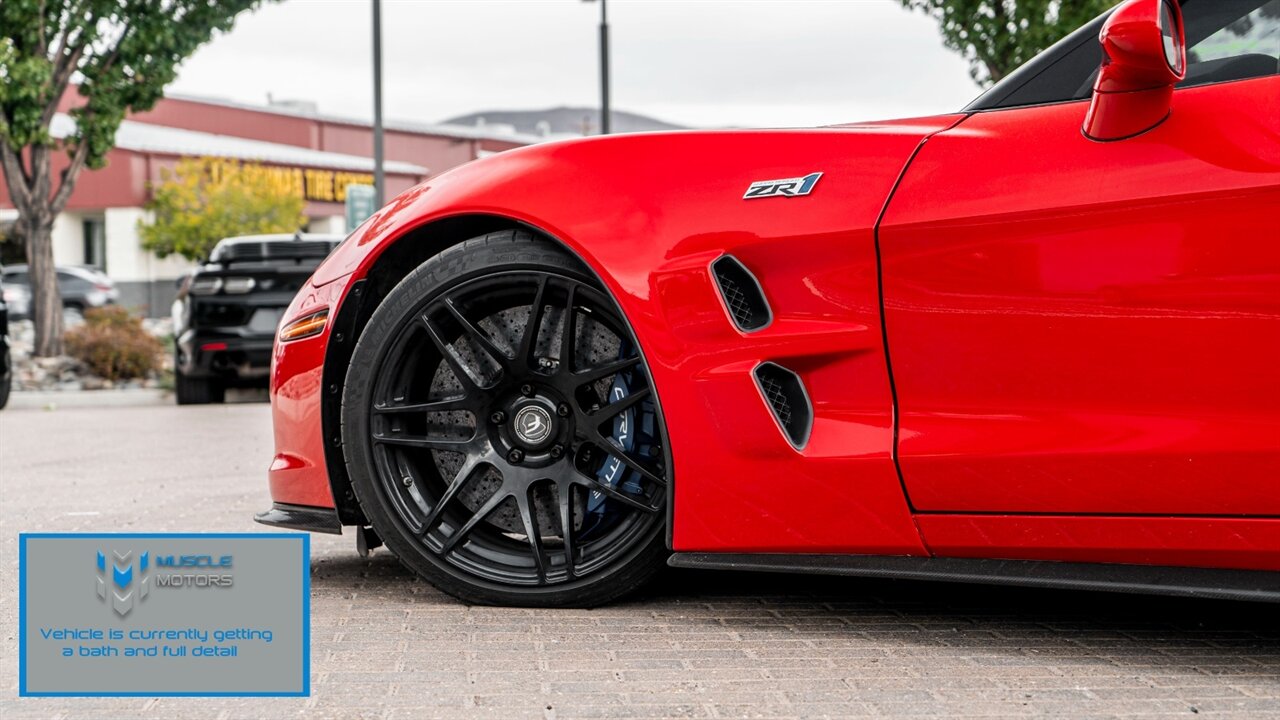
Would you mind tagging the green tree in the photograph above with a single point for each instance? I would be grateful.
(996, 36)
(120, 54)
(203, 201)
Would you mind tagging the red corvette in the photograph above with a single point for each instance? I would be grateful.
(1036, 341)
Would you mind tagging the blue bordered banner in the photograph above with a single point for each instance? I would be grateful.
(164, 614)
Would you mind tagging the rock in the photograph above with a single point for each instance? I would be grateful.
(159, 327)
(65, 373)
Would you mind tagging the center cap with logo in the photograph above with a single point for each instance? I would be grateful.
(532, 425)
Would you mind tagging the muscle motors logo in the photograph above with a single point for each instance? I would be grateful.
(118, 586)
(124, 581)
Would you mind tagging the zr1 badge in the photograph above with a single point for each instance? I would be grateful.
(787, 187)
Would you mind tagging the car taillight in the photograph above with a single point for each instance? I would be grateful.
(305, 326)
(237, 285)
(103, 288)
(205, 286)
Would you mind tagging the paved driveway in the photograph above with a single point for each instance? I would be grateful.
(386, 645)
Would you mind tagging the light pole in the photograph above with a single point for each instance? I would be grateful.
(379, 184)
(604, 66)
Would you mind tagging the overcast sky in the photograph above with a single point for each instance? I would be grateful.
(702, 63)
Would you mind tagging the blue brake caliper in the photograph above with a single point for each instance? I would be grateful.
(633, 433)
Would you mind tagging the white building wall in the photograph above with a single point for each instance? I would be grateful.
(67, 236)
(127, 260)
(68, 239)
(146, 282)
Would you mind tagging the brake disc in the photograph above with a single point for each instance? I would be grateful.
(596, 344)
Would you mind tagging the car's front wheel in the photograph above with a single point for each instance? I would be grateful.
(501, 429)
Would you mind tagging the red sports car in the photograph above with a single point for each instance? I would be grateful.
(1036, 341)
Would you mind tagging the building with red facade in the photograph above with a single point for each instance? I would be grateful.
(316, 155)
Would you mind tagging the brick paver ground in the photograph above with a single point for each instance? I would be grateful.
(386, 645)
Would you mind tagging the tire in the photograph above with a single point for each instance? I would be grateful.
(196, 391)
(6, 378)
(474, 491)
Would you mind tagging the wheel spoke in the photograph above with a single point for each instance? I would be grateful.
(564, 493)
(474, 520)
(460, 479)
(529, 515)
(619, 406)
(497, 354)
(450, 357)
(445, 405)
(611, 446)
(594, 484)
(568, 333)
(601, 372)
(459, 445)
(529, 341)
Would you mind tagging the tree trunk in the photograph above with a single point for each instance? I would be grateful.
(46, 300)
(31, 189)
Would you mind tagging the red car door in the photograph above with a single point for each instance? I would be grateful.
(1078, 327)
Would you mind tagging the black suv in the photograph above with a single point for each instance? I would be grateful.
(225, 317)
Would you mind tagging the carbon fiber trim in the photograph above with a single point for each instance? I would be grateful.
(301, 517)
(1247, 585)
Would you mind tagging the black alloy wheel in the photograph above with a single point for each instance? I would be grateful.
(501, 429)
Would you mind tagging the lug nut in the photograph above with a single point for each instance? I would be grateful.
(563, 410)
(526, 390)
(515, 456)
(498, 417)
(557, 452)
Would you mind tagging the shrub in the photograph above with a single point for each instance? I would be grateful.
(114, 345)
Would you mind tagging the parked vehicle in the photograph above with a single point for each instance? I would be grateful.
(6, 359)
(81, 287)
(1035, 342)
(227, 310)
(17, 298)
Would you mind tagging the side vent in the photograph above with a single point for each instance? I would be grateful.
(784, 393)
(741, 293)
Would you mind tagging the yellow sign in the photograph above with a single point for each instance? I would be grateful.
(308, 183)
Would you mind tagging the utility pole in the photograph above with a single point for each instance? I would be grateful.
(379, 181)
(604, 66)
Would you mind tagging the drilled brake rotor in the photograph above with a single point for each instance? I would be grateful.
(596, 344)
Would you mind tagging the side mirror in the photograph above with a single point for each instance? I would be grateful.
(1144, 55)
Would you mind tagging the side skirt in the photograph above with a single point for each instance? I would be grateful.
(301, 517)
(1247, 585)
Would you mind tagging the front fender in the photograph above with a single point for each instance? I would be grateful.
(648, 213)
